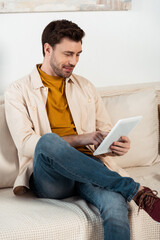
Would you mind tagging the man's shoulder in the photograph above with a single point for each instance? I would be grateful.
(17, 88)
(81, 80)
(79, 77)
(22, 83)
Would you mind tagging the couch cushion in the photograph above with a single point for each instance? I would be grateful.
(147, 176)
(142, 226)
(144, 138)
(27, 217)
(8, 154)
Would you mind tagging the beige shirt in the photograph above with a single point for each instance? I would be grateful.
(26, 116)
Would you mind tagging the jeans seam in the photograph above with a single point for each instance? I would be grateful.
(134, 192)
(90, 201)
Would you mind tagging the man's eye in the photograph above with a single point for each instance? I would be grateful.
(67, 54)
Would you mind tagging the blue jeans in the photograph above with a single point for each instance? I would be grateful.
(60, 171)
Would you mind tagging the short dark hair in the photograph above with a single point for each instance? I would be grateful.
(55, 31)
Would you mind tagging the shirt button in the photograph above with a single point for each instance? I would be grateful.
(34, 108)
(89, 100)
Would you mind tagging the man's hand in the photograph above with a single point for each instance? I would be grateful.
(121, 147)
(94, 138)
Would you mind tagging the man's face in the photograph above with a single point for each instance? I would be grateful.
(64, 57)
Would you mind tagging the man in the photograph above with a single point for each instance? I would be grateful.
(57, 119)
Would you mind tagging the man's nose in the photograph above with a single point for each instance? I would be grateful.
(73, 60)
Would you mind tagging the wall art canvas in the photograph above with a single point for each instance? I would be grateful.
(7, 6)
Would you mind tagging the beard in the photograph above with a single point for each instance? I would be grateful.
(61, 71)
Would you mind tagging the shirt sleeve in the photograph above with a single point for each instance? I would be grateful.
(103, 121)
(19, 122)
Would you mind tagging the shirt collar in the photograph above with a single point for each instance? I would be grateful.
(37, 82)
(36, 79)
(71, 79)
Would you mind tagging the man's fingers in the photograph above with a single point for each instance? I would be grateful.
(118, 153)
(99, 137)
(97, 140)
(120, 150)
(121, 144)
(104, 134)
(125, 139)
(121, 147)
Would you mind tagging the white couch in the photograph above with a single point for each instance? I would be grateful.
(26, 217)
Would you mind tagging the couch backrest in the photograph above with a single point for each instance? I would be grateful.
(8, 152)
(131, 100)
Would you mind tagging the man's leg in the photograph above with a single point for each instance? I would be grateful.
(47, 183)
(113, 210)
(60, 163)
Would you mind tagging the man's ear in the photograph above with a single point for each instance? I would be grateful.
(47, 49)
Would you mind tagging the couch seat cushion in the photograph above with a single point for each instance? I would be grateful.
(28, 217)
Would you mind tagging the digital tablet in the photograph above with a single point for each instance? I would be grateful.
(122, 128)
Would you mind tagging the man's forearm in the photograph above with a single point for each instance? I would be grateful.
(73, 140)
(94, 138)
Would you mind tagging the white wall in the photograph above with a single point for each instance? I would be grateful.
(119, 47)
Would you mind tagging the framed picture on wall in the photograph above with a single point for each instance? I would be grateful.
(8, 6)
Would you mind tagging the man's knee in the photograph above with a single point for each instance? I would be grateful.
(50, 143)
(49, 138)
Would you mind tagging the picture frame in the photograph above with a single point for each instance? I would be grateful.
(15, 6)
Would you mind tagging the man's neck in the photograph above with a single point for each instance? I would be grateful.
(48, 70)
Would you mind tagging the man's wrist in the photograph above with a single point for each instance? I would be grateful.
(73, 140)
